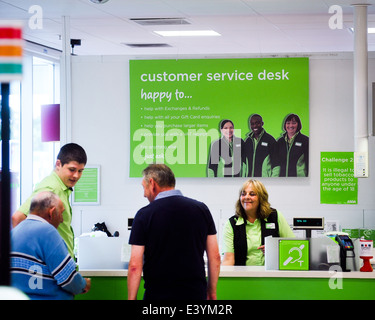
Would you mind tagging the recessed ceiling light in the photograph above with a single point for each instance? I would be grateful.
(147, 45)
(188, 33)
(160, 21)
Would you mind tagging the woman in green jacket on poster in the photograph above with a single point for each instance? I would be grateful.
(293, 149)
(226, 153)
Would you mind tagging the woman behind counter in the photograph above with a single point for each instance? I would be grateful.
(254, 220)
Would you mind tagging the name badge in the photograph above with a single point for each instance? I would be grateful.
(299, 144)
(265, 144)
(270, 226)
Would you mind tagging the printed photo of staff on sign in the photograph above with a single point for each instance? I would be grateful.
(260, 154)
(220, 117)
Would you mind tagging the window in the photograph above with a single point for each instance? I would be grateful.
(30, 158)
(45, 91)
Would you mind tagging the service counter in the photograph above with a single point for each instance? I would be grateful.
(252, 283)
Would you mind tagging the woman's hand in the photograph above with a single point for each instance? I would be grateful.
(261, 248)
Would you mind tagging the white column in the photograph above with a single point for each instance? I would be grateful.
(360, 79)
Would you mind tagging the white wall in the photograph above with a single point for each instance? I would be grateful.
(100, 113)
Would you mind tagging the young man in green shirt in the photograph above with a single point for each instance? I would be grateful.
(70, 164)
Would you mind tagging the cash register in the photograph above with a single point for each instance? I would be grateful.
(308, 224)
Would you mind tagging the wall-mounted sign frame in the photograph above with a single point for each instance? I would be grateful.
(180, 112)
(337, 182)
(87, 189)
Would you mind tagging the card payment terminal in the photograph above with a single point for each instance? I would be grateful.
(346, 247)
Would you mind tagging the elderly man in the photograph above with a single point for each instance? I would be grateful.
(168, 238)
(41, 265)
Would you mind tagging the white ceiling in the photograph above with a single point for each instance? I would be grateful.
(246, 26)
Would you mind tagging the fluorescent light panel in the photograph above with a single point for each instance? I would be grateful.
(369, 30)
(188, 33)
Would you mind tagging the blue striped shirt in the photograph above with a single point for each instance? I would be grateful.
(41, 265)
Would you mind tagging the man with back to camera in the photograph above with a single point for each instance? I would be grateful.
(168, 239)
(41, 265)
(70, 164)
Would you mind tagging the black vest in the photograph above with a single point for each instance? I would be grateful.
(239, 236)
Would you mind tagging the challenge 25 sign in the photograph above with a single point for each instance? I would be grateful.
(177, 106)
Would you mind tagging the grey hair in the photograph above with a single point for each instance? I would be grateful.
(43, 201)
(161, 173)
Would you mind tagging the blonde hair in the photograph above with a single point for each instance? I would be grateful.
(264, 208)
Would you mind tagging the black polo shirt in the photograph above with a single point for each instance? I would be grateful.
(174, 231)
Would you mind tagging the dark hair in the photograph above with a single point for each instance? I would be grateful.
(72, 152)
(294, 117)
(161, 173)
(223, 122)
(253, 116)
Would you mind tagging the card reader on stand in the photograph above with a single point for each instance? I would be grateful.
(346, 246)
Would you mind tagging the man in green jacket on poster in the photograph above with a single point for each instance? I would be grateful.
(259, 150)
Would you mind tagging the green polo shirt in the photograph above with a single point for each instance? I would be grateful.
(53, 183)
(255, 256)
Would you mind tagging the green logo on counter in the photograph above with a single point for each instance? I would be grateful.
(294, 255)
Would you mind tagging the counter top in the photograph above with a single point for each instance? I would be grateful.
(245, 271)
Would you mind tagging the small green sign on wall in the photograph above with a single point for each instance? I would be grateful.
(294, 255)
(87, 189)
(337, 182)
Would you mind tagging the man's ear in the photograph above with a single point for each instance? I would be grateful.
(58, 163)
(50, 213)
(152, 183)
(155, 187)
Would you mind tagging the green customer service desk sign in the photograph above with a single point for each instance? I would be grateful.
(176, 106)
